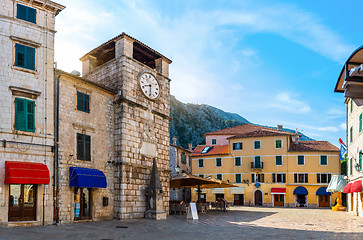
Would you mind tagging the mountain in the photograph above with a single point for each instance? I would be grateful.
(190, 122)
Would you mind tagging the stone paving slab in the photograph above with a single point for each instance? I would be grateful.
(238, 223)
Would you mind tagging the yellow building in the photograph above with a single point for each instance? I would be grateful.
(270, 166)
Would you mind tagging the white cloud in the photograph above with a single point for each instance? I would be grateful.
(285, 102)
(343, 126)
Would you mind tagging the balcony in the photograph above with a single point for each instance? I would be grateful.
(256, 165)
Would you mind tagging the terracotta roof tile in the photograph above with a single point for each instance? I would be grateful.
(246, 128)
(313, 146)
(216, 150)
(259, 133)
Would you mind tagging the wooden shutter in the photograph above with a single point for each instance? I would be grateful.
(274, 177)
(30, 58)
(87, 146)
(306, 178)
(80, 148)
(19, 55)
(318, 177)
(284, 177)
(329, 177)
(86, 102)
(21, 12)
(252, 177)
(295, 177)
(79, 101)
(262, 176)
(20, 114)
(32, 15)
(30, 118)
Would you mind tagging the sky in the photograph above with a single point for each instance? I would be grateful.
(272, 62)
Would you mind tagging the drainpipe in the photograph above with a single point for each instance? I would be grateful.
(56, 147)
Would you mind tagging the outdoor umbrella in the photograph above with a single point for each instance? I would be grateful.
(216, 183)
(337, 184)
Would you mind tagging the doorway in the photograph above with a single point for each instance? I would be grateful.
(22, 202)
(279, 200)
(301, 200)
(238, 199)
(258, 198)
(324, 201)
(82, 203)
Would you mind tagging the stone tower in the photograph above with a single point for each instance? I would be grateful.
(141, 77)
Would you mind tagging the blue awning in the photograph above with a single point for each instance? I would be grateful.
(86, 178)
(301, 191)
(322, 191)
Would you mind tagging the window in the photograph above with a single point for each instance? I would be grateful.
(24, 56)
(205, 150)
(24, 115)
(219, 162)
(237, 146)
(257, 144)
(83, 147)
(323, 177)
(360, 160)
(252, 177)
(300, 160)
(214, 141)
(351, 134)
(278, 160)
(200, 163)
(257, 162)
(260, 177)
(238, 178)
(360, 122)
(323, 160)
(279, 177)
(82, 102)
(183, 158)
(301, 178)
(201, 175)
(278, 144)
(237, 161)
(351, 166)
(351, 105)
(26, 13)
(219, 176)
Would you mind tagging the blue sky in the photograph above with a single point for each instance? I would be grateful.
(272, 62)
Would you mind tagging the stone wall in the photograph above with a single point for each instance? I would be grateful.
(99, 124)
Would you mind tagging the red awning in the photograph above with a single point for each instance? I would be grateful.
(26, 173)
(347, 188)
(357, 186)
(278, 190)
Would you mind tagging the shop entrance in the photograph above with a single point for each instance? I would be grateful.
(324, 201)
(82, 206)
(301, 200)
(279, 200)
(22, 202)
(258, 198)
(238, 199)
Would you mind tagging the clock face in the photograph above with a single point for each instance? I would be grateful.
(149, 85)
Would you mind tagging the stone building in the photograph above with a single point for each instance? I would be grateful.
(26, 106)
(349, 83)
(140, 75)
(86, 146)
(180, 162)
(271, 167)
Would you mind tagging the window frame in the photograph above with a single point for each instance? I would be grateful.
(21, 118)
(28, 52)
(28, 11)
(218, 162)
(297, 177)
(275, 177)
(214, 141)
(201, 175)
(82, 140)
(238, 175)
(259, 144)
(276, 147)
(303, 157)
(319, 177)
(83, 102)
(326, 156)
(201, 163)
(219, 175)
(237, 146)
(235, 161)
(282, 163)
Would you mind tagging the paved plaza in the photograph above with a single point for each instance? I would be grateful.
(238, 223)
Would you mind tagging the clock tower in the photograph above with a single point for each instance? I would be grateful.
(141, 117)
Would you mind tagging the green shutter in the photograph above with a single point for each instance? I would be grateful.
(351, 166)
(80, 149)
(30, 58)
(32, 15)
(19, 55)
(252, 177)
(360, 122)
(30, 124)
(238, 178)
(360, 160)
(21, 12)
(20, 114)
(351, 134)
(351, 105)
(87, 147)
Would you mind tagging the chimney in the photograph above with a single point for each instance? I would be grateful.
(190, 146)
(279, 127)
(174, 140)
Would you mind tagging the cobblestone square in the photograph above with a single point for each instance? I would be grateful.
(238, 223)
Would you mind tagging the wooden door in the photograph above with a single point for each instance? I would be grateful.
(324, 201)
(22, 202)
(279, 200)
(258, 198)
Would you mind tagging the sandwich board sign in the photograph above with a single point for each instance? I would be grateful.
(192, 211)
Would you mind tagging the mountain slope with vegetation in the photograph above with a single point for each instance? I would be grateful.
(190, 122)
